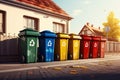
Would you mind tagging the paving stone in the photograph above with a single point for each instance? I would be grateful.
(91, 69)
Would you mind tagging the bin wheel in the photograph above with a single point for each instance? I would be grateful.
(58, 57)
(91, 55)
(98, 55)
(71, 56)
(42, 58)
(81, 56)
(23, 59)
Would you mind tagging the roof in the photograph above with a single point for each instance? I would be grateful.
(45, 6)
(94, 30)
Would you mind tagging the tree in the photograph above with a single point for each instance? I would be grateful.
(114, 26)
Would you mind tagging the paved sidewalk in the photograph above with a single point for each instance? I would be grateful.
(107, 68)
(21, 67)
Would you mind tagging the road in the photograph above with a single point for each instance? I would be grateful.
(95, 70)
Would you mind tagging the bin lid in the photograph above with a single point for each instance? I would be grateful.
(48, 33)
(63, 35)
(103, 39)
(74, 36)
(28, 32)
(85, 37)
(96, 38)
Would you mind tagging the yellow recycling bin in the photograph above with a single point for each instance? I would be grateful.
(61, 47)
(74, 47)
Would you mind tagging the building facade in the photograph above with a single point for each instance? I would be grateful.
(15, 15)
(90, 30)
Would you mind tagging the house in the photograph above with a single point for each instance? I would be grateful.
(90, 30)
(15, 15)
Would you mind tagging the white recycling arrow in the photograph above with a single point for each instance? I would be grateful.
(63, 44)
(86, 44)
(49, 43)
(95, 45)
(32, 43)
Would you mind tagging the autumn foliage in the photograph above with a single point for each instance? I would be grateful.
(114, 26)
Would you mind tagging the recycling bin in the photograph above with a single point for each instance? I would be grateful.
(73, 47)
(28, 45)
(61, 46)
(101, 51)
(46, 46)
(94, 46)
(84, 46)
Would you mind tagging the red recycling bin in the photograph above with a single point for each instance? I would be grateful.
(102, 47)
(84, 46)
(95, 41)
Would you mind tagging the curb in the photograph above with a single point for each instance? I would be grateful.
(20, 69)
(54, 64)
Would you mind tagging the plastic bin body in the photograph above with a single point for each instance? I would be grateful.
(102, 47)
(85, 46)
(28, 45)
(61, 47)
(74, 47)
(94, 47)
(46, 46)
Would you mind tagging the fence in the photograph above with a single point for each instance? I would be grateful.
(112, 46)
(8, 47)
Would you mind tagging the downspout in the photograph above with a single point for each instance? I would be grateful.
(67, 26)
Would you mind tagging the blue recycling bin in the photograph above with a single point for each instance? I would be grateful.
(46, 46)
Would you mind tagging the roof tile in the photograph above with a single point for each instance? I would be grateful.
(45, 4)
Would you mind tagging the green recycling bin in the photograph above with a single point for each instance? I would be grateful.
(28, 45)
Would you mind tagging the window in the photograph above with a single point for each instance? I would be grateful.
(2, 21)
(58, 27)
(31, 22)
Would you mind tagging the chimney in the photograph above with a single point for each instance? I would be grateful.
(92, 25)
(88, 23)
(99, 28)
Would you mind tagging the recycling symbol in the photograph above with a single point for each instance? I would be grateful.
(95, 45)
(63, 44)
(76, 44)
(86, 44)
(49, 43)
(32, 43)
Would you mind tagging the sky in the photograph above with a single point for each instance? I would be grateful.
(93, 11)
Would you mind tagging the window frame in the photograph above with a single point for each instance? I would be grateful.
(36, 21)
(62, 25)
(3, 21)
